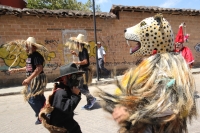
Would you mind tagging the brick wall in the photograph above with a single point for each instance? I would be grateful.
(48, 31)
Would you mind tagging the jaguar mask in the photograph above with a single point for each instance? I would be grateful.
(150, 33)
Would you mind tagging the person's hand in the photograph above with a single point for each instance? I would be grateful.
(12, 71)
(72, 52)
(26, 81)
(47, 104)
(120, 114)
(75, 90)
(55, 86)
(77, 62)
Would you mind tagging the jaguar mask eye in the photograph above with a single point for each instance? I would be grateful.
(142, 23)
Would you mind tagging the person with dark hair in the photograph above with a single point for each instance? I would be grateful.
(57, 115)
(101, 59)
(84, 65)
(36, 80)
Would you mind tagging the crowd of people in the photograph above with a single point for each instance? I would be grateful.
(56, 112)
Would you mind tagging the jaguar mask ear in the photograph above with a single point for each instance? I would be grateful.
(159, 18)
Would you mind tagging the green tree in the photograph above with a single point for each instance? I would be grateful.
(61, 4)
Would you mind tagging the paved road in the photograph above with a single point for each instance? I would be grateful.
(17, 117)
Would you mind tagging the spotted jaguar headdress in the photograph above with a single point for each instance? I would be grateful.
(150, 34)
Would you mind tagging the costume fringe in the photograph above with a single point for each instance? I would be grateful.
(159, 95)
(37, 87)
(90, 75)
(51, 128)
(47, 109)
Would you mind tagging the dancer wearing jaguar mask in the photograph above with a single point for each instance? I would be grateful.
(158, 95)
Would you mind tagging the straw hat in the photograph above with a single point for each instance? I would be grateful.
(20, 45)
(16, 47)
(72, 41)
(81, 39)
(32, 41)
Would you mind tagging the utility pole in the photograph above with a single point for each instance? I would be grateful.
(95, 39)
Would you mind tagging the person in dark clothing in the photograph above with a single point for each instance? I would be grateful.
(36, 80)
(60, 105)
(84, 64)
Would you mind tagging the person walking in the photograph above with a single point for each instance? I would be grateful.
(84, 65)
(101, 60)
(36, 80)
(57, 115)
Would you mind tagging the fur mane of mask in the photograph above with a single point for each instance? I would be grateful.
(150, 33)
(159, 92)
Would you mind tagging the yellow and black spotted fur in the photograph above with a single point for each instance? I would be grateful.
(150, 33)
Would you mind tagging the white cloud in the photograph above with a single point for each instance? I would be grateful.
(170, 3)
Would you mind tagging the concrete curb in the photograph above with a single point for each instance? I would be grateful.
(9, 93)
(17, 90)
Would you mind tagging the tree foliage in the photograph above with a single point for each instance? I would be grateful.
(62, 4)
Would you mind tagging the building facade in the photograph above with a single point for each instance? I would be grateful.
(52, 28)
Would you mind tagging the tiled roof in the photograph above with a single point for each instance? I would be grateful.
(7, 10)
(154, 9)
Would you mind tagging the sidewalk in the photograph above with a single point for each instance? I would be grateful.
(17, 90)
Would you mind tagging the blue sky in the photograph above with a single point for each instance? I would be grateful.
(186, 4)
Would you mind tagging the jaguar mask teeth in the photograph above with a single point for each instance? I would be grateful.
(151, 33)
(135, 47)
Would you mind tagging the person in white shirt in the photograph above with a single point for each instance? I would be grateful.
(102, 59)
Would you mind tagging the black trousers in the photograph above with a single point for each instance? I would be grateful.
(84, 87)
(101, 67)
